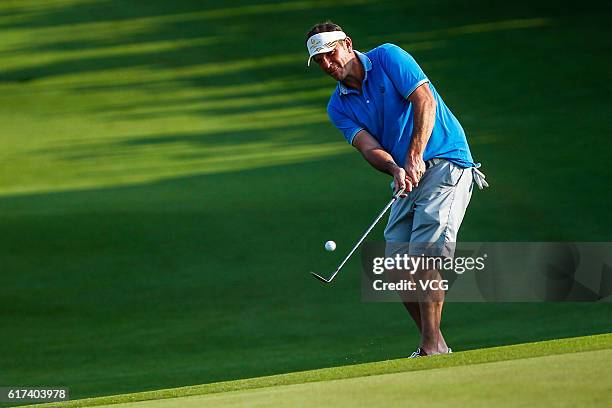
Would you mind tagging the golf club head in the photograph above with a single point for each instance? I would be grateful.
(319, 277)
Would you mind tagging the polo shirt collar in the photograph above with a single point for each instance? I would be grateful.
(367, 65)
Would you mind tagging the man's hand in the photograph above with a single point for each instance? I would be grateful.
(400, 181)
(415, 168)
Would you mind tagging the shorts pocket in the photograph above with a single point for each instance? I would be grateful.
(451, 174)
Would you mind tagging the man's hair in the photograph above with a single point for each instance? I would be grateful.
(323, 28)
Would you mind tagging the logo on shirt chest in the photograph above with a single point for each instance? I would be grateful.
(381, 89)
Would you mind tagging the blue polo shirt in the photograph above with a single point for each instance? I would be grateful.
(382, 108)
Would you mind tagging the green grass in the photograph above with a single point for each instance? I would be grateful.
(483, 386)
(542, 381)
(478, 377)
(168, 177)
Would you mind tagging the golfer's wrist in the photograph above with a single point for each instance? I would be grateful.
(392, 168)
(414, 155)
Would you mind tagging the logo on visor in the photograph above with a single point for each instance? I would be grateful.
(326, 45)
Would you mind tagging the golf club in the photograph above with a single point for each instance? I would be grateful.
(333, 275)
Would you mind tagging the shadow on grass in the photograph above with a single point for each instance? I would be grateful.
(201, 279)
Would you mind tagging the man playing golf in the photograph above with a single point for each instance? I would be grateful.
(387, 108)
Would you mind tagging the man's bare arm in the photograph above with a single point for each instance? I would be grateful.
(380, 159)
(424, 108)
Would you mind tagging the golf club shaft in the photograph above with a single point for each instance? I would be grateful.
(395, 197)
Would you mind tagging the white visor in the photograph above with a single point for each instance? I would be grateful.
(323, 42)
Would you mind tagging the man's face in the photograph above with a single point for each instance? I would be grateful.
(334, 62)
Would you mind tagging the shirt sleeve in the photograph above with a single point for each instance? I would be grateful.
(403, 71)
(345, 124)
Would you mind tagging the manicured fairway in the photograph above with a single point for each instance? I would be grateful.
(569, 380)
(566, 372)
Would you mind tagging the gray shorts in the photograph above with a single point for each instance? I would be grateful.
(430, 216)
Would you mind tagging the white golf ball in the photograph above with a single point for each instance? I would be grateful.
(330, 246)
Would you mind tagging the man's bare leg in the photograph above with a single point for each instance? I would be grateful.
(431, 303)
(441, 342)
(410, 302)
(414, 309)
(409, 299)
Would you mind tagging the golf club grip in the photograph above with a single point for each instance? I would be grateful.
(389, 204)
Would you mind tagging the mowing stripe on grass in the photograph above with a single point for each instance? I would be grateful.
(562, 380)
(471, 357)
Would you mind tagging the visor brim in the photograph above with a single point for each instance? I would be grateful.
(323, 51)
